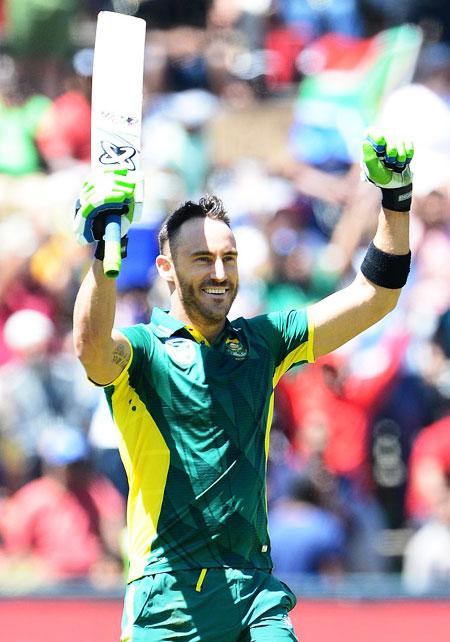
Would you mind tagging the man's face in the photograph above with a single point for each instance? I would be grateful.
(205, 261)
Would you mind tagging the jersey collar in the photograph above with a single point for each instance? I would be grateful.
(164, 326)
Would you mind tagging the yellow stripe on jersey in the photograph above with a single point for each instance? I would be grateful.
(310, 348)
(299, 354)
(197, 335)
(267, 437)
(303, 352)
(146, 459)
(269, 425)
(201, 579)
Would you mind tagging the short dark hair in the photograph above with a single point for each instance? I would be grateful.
(209, 206)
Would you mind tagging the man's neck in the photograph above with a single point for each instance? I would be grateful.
(206, 328)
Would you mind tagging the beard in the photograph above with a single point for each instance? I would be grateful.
(196, 309)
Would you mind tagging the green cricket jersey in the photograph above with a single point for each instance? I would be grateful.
(194, 420)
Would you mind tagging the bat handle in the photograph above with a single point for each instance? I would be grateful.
(113, 258)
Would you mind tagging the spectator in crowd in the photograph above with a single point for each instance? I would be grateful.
(429, 465)
(427, 554)
(419, 396)
(313, 19)
(38, 35)
(21, 114)
(353, 504)
(56, 389)
(17, 288)
(296, 276)
(67, 523)
(64, 134)
(347, 398)
(305, 537)
(175, 137)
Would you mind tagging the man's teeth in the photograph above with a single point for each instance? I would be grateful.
(215, 290)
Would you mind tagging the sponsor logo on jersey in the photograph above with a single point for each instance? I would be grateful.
(234, 347)
(181, 350)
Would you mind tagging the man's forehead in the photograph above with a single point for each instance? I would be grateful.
(205, 233)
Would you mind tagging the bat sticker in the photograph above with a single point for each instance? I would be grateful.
(117, 155)
(119, 119)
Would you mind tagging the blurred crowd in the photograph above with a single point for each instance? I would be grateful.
(264, 103)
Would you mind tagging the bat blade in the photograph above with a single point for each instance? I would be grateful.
(117, 91)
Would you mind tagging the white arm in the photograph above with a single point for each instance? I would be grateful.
(104, 352)
(345, 314)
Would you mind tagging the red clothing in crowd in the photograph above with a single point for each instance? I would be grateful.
(66, 129)
(342, 406)
(429, 464)
(59, 527)
(284, 44)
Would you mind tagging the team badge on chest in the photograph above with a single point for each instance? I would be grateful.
(235, 348)
(181, 350)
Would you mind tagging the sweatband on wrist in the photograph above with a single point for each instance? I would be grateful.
(100, 249)
(397, 199)
(386, 270)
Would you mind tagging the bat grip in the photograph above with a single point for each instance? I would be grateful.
(113, 258)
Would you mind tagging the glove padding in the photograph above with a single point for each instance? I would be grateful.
(107, 191)
(386, 164)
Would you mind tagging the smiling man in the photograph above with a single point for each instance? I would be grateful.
(192, 392)
(199, 262)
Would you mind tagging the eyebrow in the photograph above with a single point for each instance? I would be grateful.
(208, 253)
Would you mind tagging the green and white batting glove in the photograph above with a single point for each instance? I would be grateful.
(103, 193)
(386, 164)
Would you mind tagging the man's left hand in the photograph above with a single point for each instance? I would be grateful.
(386, 164)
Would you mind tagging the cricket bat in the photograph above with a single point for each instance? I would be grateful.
(117, 90)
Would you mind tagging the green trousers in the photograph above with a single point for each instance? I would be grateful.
(208, 605)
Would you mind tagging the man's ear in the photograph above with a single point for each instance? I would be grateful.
(166, 270)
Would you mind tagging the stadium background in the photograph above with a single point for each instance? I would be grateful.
(263, 102)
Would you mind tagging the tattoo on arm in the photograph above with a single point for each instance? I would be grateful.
(119, 355)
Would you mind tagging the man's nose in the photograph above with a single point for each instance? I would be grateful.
(219, 270)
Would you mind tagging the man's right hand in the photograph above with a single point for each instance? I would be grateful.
(105, 192)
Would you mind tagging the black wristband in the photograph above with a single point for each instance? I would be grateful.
(387, 270)
(100, 249)
(397, 199)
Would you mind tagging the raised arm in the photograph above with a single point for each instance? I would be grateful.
(376, 288)
(104, 352)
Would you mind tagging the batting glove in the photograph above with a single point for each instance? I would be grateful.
(385, 163)
(104, 192)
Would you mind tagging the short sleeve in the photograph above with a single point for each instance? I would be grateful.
(141, 340)
(290, 335)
